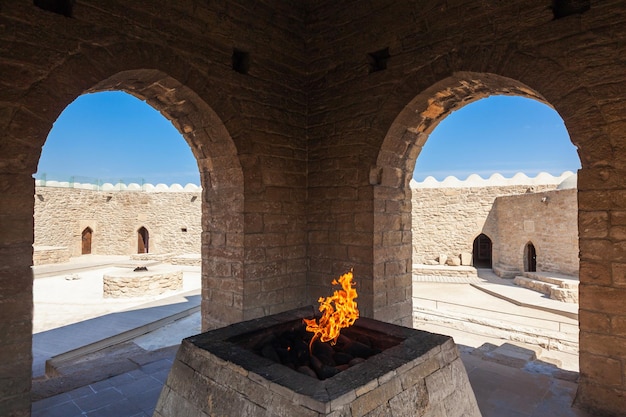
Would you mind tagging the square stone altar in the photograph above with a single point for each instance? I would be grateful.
(416, 374)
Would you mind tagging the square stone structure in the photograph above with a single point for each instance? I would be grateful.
(421, 376)
(306, 119)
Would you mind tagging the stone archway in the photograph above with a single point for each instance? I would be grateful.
(597, 189)
(530, 257)
(220, 175)
(143, 240)
(394, 169)
(124, 68)
(86, 241)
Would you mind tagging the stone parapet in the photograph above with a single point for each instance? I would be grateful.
(43, 255)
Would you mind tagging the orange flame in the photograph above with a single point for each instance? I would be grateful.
(338, 311)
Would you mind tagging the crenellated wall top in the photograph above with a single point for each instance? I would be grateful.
(567, 178)
(158, 188)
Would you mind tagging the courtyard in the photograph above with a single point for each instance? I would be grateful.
(509, 374)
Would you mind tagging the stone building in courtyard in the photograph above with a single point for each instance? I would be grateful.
(306, 119)
(510, 225)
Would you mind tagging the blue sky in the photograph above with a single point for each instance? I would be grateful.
(500, 134)
(111, 136)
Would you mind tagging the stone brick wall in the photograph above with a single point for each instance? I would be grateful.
(43, 255)
(446, 220)
(306, 119)
(172, 218)
(551, 225)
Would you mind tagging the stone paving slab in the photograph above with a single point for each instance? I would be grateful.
(57, 341)
(131, 394)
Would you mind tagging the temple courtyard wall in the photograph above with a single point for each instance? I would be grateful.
(170, 215)
(447, 216)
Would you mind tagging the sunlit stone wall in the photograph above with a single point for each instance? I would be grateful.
(448, 215)
(171, 215)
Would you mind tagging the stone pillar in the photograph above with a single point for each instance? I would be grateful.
(16, 293)
(392, 247)
(222, 245)
(602, 291)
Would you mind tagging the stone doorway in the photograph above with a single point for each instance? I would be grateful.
(143, 240)
(530, 258)
(86, 241)
(481, 253)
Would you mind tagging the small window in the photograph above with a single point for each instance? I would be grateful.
(241, 61)
(564, 8)
(378, 60)
(62, 7)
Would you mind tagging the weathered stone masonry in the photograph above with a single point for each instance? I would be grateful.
(172, 219)
(306, 119)
(449, 215)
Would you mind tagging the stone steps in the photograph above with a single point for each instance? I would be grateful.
(561, 288)
(505, 271)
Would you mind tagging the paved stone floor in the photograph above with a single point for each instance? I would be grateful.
(514, 384)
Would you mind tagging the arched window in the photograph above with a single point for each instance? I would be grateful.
(143, 240)
(530, 258)
(481, 252)
(86, 237)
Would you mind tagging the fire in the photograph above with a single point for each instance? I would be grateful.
(338, 311)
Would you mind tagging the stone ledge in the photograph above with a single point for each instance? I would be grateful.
(445, 270)
(44, 255)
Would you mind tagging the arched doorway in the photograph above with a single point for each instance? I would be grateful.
(405, 138)
(481, 251)
(221, 174)
(86, 238)
(143, 240)
(530, 258)
(219, 166)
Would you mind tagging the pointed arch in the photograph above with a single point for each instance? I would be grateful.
(143, 240)
(482, 251)
(186, 97)
(86, 240)
(530, 257)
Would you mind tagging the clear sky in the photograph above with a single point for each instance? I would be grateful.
(499, 134)
(113, 136)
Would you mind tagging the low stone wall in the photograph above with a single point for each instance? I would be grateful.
(43, 255)
(444, 271)
(129, 283)
(187, 260)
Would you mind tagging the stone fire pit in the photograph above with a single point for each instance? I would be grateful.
(154, 280)
(215, 374)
